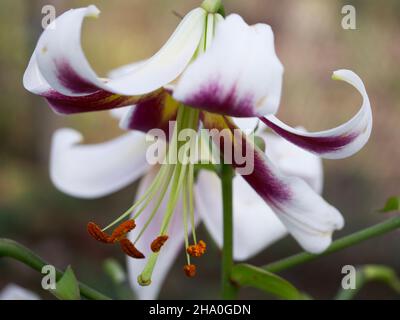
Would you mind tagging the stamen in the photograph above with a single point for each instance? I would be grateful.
(197, 250)
(95, 231)
(158, 243)
(129, 248)
(185, 224)
(190, 270)
(163, 192)
(121, 231)
(148, 195)
(191, 206)
(176, 187)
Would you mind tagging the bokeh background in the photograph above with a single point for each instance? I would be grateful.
(311, 44)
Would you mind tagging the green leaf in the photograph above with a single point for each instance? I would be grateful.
(392, 204)
(114, 270)
(251, 276)
(67, 288)
(384, 274)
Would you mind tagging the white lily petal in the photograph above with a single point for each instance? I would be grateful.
(255, 224)
(294, 161)
(247, 125)
(168, 252)
(101, 100)
(33, 80)
(166, 65)
(306, 215)
(15, 292)
(63, 64)
(125, 70)
(120, 113)
(91, 171)
(337, 143)
(239, 75)
(312, 228)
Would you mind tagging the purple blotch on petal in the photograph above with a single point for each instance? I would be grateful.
(149, 114)
(266, 184)
(318, 145)
(263, 180)
(211, 97)
(70, 79)
(99, 101)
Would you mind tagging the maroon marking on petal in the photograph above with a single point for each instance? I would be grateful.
(209, 98)
(263, 180)
(70, 79)
(150, 114)
(266, 184)
(318, 145)
(101, 100)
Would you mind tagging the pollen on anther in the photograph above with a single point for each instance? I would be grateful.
(121, 231)
(129, 248)
(158, 243)
(197, 250)
(190, 270)
(95, 231)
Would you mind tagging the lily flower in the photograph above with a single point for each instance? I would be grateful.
(76, 170)
(210, 70)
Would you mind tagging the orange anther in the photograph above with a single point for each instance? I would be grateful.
(197, 250)
(121, 231)
(129, 248)
(202, 244)
(95, 231)
(190, 270)
(158, 243)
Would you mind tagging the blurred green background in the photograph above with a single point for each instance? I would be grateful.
(311, 44)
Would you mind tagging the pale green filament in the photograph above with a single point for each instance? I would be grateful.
(154, 187)
(155, 209)
(174, 196)
(185, 224)
(149, 194)
(190, 185)
(164, 181)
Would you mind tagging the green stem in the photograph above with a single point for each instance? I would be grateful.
(229, 290)
(340, 244)
(12, 249)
